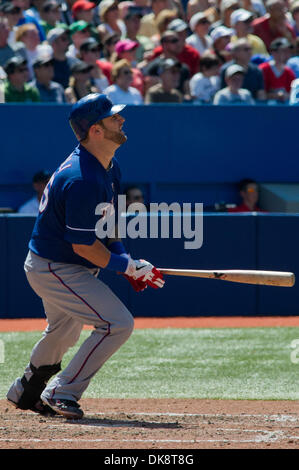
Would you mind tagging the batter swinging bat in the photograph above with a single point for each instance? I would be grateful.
(265, 278)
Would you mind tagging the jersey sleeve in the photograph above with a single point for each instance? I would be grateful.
(81, 200)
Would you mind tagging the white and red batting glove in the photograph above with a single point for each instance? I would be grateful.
(141, 270)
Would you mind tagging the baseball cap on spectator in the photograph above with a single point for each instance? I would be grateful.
(294, 7)
(90, 44)
(166, 64)
(125, 45)
(133, 10)
(233, 69)
(105, 5)
(41, 176)
(177, 25)
(78, 26)
(226, 4)
(221, 32)
(50, 5)
(240, 15)
(9, 8)
(55, 33)
(80, 66)
(13, 64)
(41, 60)
(82, 5)
(196, 18)
(280, 43)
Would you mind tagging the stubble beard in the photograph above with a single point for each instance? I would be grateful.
(118, 138)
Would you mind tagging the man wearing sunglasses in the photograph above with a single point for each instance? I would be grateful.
(16, 88)
(200, 40)
(50, 91)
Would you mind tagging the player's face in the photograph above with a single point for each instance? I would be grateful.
(112, 126)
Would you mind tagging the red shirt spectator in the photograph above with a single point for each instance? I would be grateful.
(272, 82)
(188, 56)
(277, 76)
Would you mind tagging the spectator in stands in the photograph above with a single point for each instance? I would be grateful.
(110, 19)
(16, 88)
(294, 95)
(27, 18)
(83, 10)
(90, 51)
(39, 182)
(187, 54)
(226, 9)
(253, 77)
(13, 15)
(274, 24)
(162, 21)
(79, 83)
(277, 76)
(200, 40)
(206, 83)
(233, 93)
(59, 40)
(148, 22)
(50, 15)
(173, 45)
(169, 44)
(249, 193)
(293, 62)
(27, 34)
(121, 91)
(294, 10)
(166, 91)
(109, 42)
(195, 6)
(79, 31)
(241, 20)
(50, 92)
(134, 195)
(6, 50)
(132, 21)
(221, 39)
(126, 49)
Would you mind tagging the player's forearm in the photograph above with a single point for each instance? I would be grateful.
(96, 253)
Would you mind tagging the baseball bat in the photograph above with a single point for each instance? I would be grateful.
(245, 276)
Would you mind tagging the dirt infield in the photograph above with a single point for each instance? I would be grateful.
(39, 324)
(158, 423)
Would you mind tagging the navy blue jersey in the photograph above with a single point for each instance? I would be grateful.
(68, 205)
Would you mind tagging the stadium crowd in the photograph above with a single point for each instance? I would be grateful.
(150, 51)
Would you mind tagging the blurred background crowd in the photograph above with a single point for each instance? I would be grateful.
(150, 51)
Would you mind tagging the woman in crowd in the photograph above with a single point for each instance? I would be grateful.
(121, 91)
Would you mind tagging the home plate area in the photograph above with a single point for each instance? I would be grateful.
(156, 424)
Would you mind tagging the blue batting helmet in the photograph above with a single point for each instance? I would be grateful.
(89, 110)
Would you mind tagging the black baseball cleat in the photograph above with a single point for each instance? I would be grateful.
(67, 408)
(39, 408)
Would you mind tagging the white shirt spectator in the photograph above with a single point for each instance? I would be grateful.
(119, 96)
(204, 88)
(225, 96)
(195, 41)
(294, 94)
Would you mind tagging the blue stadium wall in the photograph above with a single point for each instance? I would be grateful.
(177, 153)
(229, 241)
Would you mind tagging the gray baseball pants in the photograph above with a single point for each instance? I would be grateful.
(73, 296)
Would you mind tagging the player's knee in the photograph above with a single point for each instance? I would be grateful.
(124, 325)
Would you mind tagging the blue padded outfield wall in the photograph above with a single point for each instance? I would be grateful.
(179, 153)
(233, 241)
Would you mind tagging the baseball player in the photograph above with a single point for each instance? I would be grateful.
(63, 262)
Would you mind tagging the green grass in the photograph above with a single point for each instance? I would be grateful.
(222, 363)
